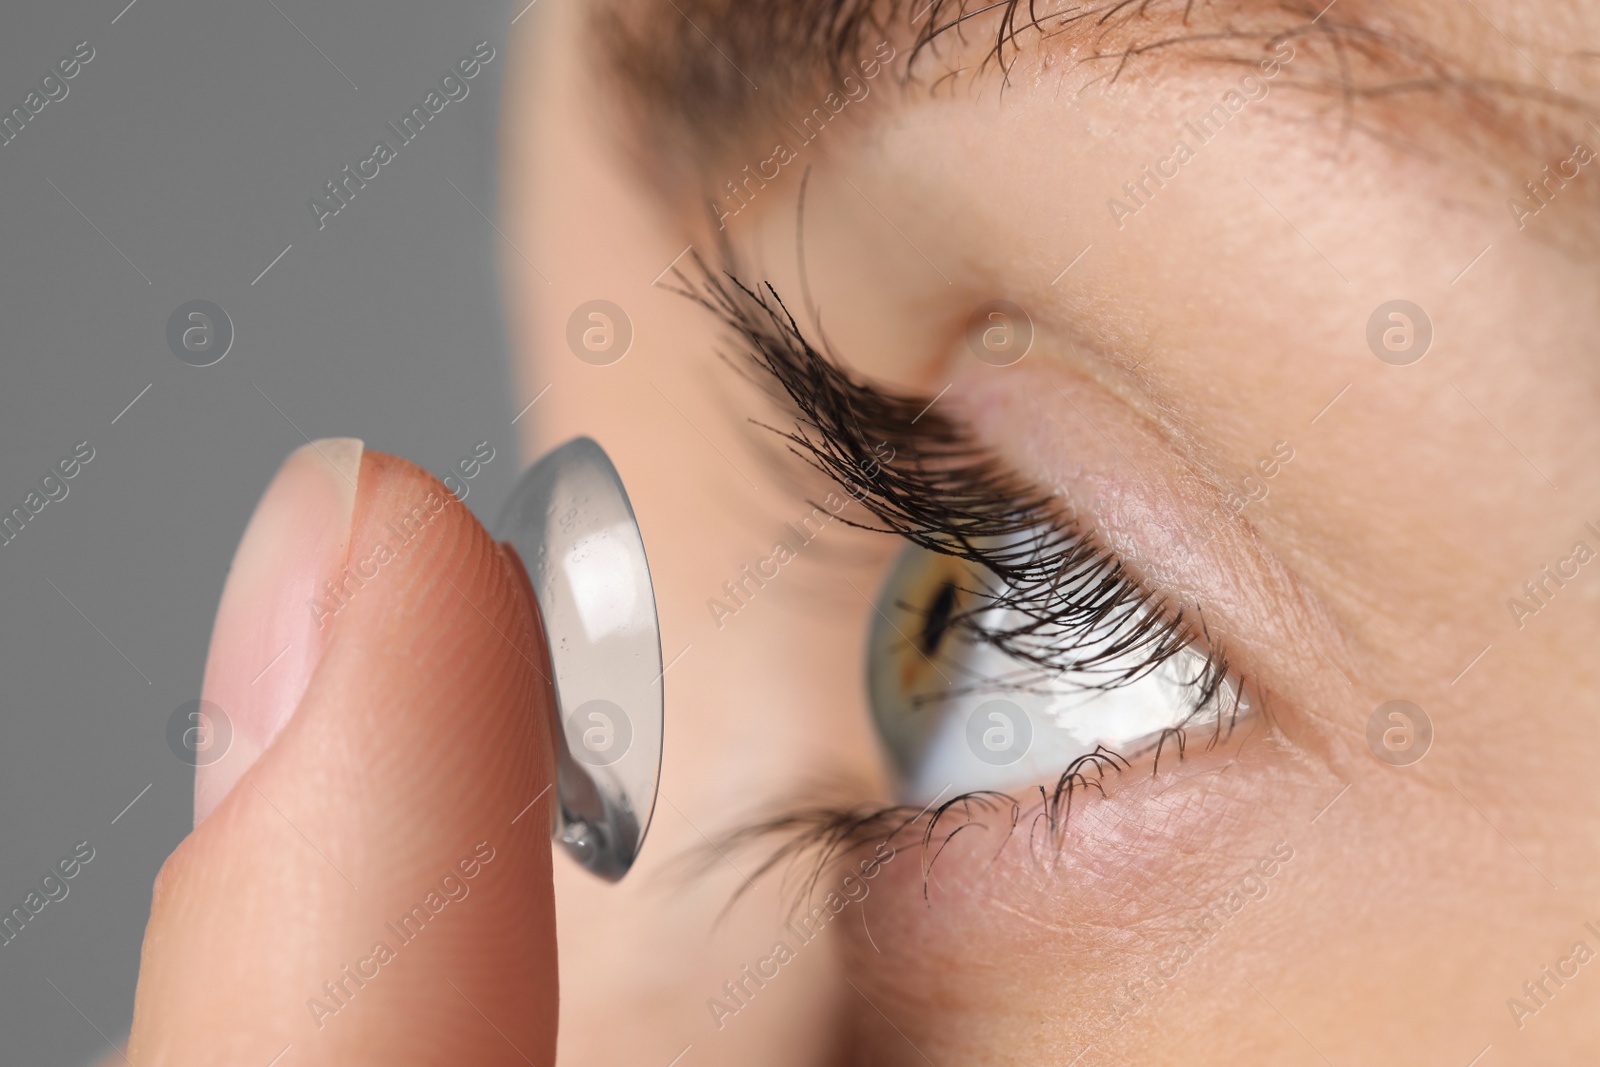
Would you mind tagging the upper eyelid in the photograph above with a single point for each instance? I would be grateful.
(1263, 600)
(953, 496)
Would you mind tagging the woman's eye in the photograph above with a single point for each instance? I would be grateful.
(962, 702)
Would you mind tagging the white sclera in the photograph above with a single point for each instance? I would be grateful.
(570, 522)
(972, 717)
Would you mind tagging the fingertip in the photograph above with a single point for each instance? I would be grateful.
(331, 886)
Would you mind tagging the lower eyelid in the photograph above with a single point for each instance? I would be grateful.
(971, 927)
(1115, 864)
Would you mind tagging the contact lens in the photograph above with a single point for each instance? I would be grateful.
(570, 524)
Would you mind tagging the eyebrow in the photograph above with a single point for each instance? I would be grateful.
(700, 77)
(703, 81)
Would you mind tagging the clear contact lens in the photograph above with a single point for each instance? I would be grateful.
(570, 523)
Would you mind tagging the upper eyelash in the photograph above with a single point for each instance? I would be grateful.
(948, 493)
(1081, 610)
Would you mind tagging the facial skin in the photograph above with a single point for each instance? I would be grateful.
(1225, 315)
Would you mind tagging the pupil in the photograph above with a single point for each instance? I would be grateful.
(937, 621)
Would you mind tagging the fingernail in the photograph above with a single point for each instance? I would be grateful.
(269, 633)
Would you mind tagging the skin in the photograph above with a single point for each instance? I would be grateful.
(351, 815)
(1404, 906)
(1166, 364)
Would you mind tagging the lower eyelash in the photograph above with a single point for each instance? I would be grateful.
(1081, 610)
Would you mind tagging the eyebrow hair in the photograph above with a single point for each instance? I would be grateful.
(700, 81)
(698, 75)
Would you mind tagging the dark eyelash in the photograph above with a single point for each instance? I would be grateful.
(1081, 611)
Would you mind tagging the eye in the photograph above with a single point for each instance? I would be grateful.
(973, 688)
(1007, 648)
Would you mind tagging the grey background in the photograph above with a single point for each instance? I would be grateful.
(192, 141)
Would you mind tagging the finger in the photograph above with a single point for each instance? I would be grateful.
(373, 883)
